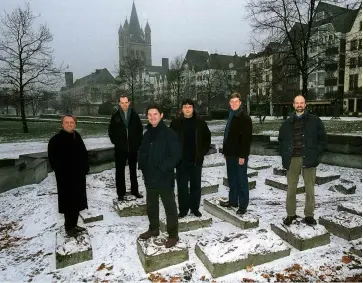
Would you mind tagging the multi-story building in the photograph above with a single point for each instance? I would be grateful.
(353, 68)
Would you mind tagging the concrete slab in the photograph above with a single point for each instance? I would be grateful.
(98, 168)
(281, 183)
(343, 186)
(216, 164)
(209, 187)
(251, 183)
(91, 215)
(131, 206)
(343, 224)
(258, 165)
(279, 171)
(190, 222)
(154, 256)
(301, 235)
(323, 177)
(356, 247)
(223, 253)
(72, 250)
(245, 221)
(46, 191)
(351, 207)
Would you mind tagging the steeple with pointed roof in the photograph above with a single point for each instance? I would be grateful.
(134, 21)
(120, 29)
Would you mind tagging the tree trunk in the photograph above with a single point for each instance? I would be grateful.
(22, 111)
(304, 90)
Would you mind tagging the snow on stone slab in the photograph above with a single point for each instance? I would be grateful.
(251, 183)
(344, 186)
(302, 236)
(154, 255)
(343, 224)
(90, 215)
(223, 253)
(323, 177)
(130, 206)
(245, 221)
(72, 250)
(279, 171)
(356, 247)
(258, 165)
(351, 207)
(209, 187)
(280, 182)
(190, 222)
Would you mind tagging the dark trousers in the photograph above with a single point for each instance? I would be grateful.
(189, 198)
(70, 219)
(121, 157)
(238, 182)
(152, 203)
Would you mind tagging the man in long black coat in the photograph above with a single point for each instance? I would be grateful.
(125, 132)
(68, 157)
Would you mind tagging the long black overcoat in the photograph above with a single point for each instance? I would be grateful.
(68, 157)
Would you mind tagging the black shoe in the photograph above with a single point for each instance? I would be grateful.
(227, 204)
(148, 234)
(288, 220)
(137, 195)
(72, 232)
(197, 213)
(121, 198)
(80, 229)
(182, 214)
(241, 211)
(310, 220)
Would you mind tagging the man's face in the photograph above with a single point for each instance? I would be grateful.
(187, 110)
(124, 103)
(299, 104)
(154, 117)
(68, 124)
(235, 103)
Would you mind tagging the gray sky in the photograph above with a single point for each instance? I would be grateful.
(86, 31)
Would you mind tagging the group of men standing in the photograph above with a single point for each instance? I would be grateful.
(182, 146)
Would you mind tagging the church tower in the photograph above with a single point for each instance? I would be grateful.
(133, 40)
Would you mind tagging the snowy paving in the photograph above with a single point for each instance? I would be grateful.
(29, 223)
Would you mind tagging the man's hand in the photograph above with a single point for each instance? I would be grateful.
(241, 161)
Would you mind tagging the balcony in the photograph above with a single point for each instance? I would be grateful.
(331, 81)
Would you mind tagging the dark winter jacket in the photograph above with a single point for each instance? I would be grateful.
(68, 157)
(125, 139)
(314, 139)
(238, 141)
(159, 156)
(202, 136)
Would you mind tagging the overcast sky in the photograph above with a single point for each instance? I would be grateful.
(86, 31)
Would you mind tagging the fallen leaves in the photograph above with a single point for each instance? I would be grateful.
(346, 259)
(249, 268)
(103, 266)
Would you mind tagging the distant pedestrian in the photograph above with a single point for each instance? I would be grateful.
(195, 138)
(68, 157)
(159, 154)
(236, 149)
(302, 141)
(125, 132)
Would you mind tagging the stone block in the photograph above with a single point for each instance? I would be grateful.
(344, 186)
(46, 191)
(356, 247)
(279, 171)
(251, 183)
(189, 222)
(351, 207)
(212, 206)
(72, 250)
(98, 168)
(154, 256)
(301, 235)
(209, 187)
(89, 216)
(323, 177)
(101, 155)
(223, 253)
(281, 183)
(258, 165)
(343, 224)
(131, 206)
(7, 162)
(216, 164)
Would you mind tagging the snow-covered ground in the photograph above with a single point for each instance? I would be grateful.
(28, 225)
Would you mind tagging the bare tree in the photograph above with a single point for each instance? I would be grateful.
(307, 38)
(25, 55)
(130, 73)
(176, 79)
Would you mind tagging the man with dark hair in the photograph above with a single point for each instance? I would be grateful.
(302, 142)
(68, 157)
(195, 139)
(125, 132)
(159, 154)
(236, 149)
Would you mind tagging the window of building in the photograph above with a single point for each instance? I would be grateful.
(353, 82)
(353, 45)
(267, 78)
(351, 105)
(360, 44)
(359, 105)
(267, 91)
(321, 78)
(320, 16)
(291, 80)
(260, 91)
(353, 63)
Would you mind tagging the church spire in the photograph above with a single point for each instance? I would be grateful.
(134, 21)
